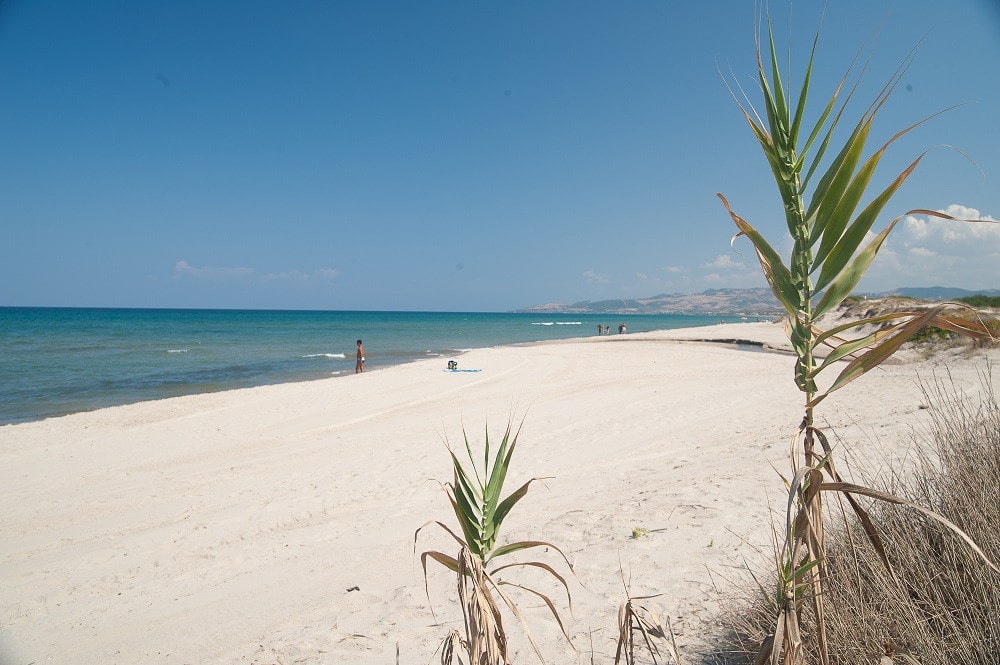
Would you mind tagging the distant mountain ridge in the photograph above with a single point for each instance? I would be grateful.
(759, 301)
(753, 302)
(940, 293)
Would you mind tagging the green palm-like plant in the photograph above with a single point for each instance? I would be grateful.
(475, 500)
(830, 254)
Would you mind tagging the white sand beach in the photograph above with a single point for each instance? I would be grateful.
(276, 524)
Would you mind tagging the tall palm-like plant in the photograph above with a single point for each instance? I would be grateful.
(821, 194)
(475, 500)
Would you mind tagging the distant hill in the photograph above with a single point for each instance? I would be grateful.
(760, 302)
(939, 293)
(753, 302)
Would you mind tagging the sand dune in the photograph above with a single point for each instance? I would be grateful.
(234, 527)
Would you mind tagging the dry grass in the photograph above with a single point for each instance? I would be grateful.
(834, 243)
(641, 633)
(943, 603)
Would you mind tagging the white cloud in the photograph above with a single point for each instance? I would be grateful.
(184, 268)
(975, 237)
(929, 251)
(594, 277)
(724, 262)
(675, 269)
(285, 276)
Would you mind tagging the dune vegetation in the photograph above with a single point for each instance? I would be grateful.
(475, 497)
(833, 247)
(906, 572)
(931, 600)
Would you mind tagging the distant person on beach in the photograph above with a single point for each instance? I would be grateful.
(600, 329)
(621, 328)
(360, 366)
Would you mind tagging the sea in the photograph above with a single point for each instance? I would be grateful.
(57, 361)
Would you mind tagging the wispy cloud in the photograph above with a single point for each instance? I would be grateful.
(594, 277)
(184, 268)
(724, 262)
(286, 276)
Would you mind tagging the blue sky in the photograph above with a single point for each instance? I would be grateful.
(451, 156)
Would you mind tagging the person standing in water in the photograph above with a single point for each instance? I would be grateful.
(360, 366)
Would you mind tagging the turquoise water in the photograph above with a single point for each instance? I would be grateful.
(55, 361)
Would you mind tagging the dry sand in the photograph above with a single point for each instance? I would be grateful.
(276, 524)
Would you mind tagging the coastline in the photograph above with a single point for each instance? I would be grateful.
(231, 527)
(59, 361)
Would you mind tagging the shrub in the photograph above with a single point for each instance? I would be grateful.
(941, 604)
(980, 300)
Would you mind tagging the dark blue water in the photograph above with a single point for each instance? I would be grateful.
(55, 361)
